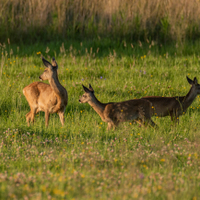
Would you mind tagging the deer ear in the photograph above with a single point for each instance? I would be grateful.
(46, 63)
(54, 63)
(195, 81)
(90, 88)
(86, 89)
(189, 80)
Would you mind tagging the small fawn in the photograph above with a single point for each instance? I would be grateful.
(114, 113)
(51, 98)
(174, 106)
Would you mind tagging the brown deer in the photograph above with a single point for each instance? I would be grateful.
(51, 98)
(174, 106)
(114, 113)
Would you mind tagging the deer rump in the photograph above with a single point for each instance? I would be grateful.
(165, 106)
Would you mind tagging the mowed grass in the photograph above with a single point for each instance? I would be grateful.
(81, 160)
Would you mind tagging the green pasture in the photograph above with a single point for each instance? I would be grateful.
(81, 160)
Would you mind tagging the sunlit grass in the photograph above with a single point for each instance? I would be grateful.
(81, 160)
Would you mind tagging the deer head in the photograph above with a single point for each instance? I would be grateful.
(50, 71)
(88, 95)
(194, 84)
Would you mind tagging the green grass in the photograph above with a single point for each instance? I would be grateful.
(81, 160)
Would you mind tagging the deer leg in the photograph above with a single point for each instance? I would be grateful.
(139, 121)
(177, 117)
(111, 125)
(145, 120)
(150, 122)
(47, 118)
(28, 118)
(55, 109)
(51, 110)
(141, 118)
(174, 117)
(62, 119)
(32, 114)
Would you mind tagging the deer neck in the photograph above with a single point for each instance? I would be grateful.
(189, 98)
(97, 106)
(55, 85)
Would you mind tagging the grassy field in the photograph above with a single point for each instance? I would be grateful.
(81, 160)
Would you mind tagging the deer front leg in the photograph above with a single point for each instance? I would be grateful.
(47, 118)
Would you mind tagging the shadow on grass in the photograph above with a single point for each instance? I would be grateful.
(101, 48)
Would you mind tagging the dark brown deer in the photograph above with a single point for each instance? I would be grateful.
(51, 98)
(114, 113)
(174, 106)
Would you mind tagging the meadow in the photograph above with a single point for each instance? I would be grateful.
(81, 160)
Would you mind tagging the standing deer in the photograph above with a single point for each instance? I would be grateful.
(114, 113)
(51, 98)
(174, 106)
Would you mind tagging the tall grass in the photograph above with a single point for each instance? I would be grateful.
(29, 20)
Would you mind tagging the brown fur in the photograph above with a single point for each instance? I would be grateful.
(114, 113)
(51, 98)
(174, 106)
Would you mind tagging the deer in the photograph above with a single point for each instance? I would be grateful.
(49, 98)
(115, 112)
(174, 106)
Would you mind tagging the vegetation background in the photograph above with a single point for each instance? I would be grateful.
(125, 49)
(31, 20)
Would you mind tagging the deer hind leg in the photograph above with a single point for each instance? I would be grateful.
(47, 118)
(139, 121)
(174, 117)
(150, 122)
(33, 112)
(55, 108)
(145, 117)
(147, 120)
(111, 125)
(28, 118)
(61, 115)
(141, 116)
